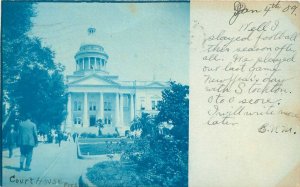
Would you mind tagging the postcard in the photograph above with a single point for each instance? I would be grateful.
(150, 93)
(95, 93)
(244, 80)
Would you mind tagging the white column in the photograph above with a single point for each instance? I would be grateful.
(121, 110)
(85, 111)
(101, 107)
(131, 107)
(69, 110)
(117, 117)
(89, 63)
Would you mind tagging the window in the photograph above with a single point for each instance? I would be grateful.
(77, 106)
(107, 120)
(92, 106)
(77, 120)
(142, 104)
(107, 106)
(153, 105)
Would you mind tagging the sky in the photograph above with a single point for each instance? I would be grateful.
(144, 41)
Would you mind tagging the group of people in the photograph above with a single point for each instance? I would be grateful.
(59, 136)
(27, 138)
(43, 138)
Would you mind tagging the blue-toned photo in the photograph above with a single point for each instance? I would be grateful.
(95, 94)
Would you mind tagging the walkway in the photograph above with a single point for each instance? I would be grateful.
(51, 166)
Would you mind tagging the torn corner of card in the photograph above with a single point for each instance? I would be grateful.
(245, 93)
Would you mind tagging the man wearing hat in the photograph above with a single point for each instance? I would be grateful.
(27, 139)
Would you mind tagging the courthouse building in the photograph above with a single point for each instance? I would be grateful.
(94, 93)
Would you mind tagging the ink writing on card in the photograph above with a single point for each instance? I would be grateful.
(244, 68)
(245, 113)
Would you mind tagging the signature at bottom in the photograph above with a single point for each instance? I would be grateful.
(269, 128)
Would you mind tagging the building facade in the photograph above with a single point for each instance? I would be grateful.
(94, 93)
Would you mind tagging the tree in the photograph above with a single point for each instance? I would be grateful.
(41, 92)
(161, 159)
(174, 109)
(32, 81)
(15, 24)
(145, 123)
(16, 19)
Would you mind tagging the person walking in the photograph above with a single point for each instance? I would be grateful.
(75, 136)
(11, 140)
(60, 137)
(27, 140)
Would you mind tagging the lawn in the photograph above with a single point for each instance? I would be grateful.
(99, 149)
(100, 146)
(112, 174)
(99, 140)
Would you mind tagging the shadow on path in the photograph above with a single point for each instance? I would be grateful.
(12, 168)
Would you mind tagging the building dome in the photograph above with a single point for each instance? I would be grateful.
(91, 56)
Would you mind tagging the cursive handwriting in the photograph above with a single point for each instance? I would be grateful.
(246, 68)
(270, 128)
(240, 8)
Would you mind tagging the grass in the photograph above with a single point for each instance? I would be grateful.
(99, 149)
(98, 140)
(100, 146)
(116, 174)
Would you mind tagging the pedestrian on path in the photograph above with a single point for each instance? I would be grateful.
(75, 135)
(60, 137)
(11, 140)
(69, 137)
(27, 140)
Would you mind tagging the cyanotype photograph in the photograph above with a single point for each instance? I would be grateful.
(95, 94)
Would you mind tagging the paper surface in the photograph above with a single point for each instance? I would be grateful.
(244, 78)
(245, 94)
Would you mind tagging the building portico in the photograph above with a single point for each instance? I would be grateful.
(112, 108)
(93, 93)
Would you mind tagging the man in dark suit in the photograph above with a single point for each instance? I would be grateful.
(27, 140)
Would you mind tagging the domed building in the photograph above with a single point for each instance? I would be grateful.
(94, 93)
